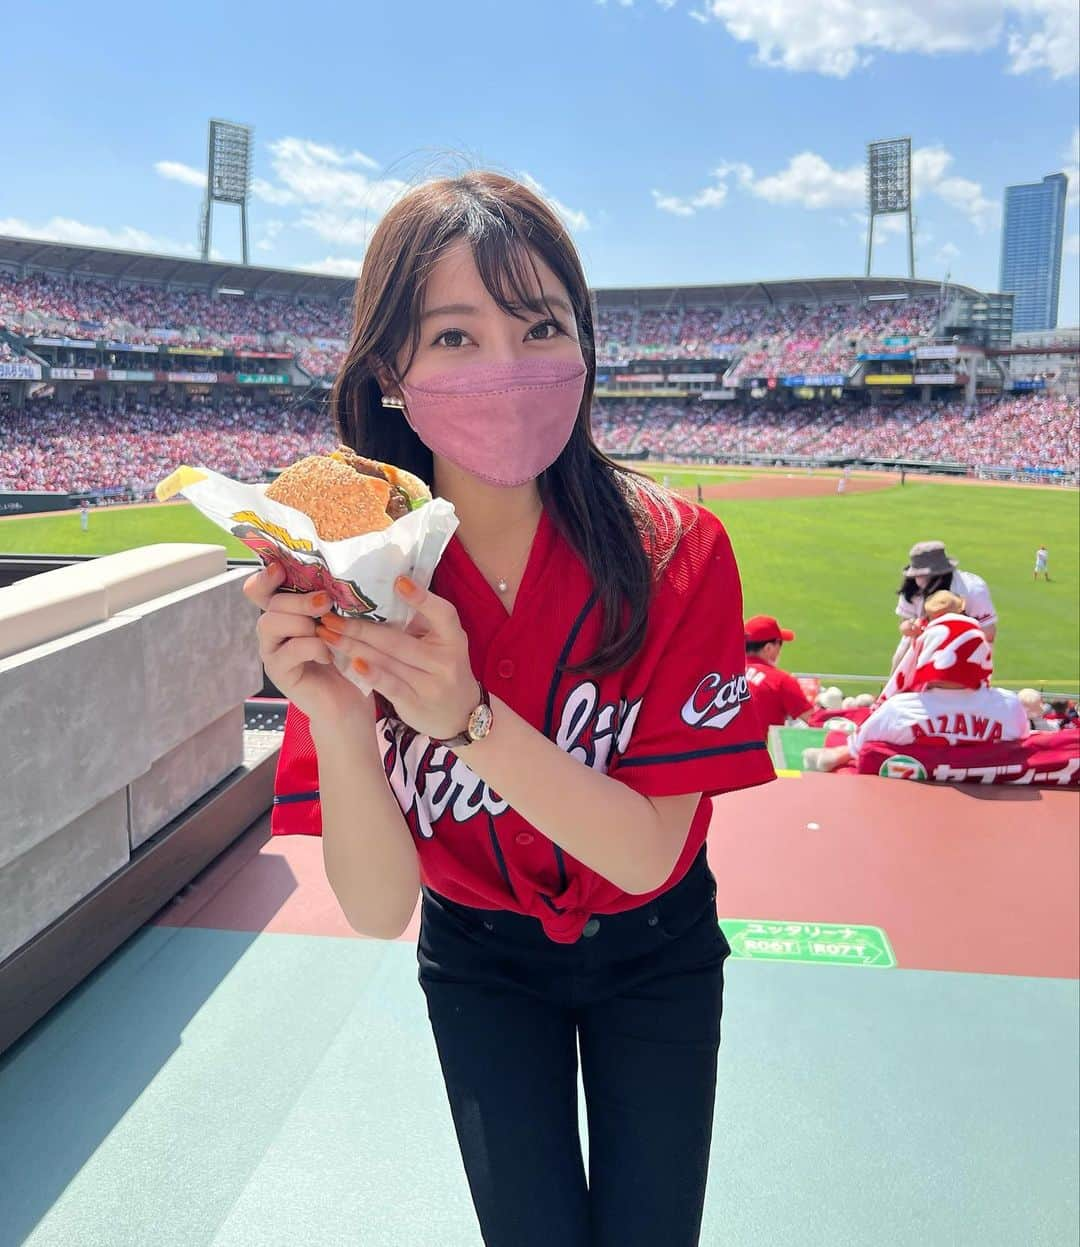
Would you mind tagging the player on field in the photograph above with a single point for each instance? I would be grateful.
(538, 760)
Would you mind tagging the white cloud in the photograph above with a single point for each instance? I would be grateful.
(1053, 44)
(667, 4)
(177, 172)
(335, 191)
(269, 235)
(836, 37)
(1072, 244)
(573, 218)
(271, 194)
(64, 229)
(313, 173)
(672, 204)
(335, 265)
(339, 227)
(810, 181)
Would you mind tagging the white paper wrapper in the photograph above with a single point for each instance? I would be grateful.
(358, 574)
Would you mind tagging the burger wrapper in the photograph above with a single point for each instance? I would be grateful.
(358, 574)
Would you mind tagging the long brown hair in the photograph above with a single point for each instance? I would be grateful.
(600, 508)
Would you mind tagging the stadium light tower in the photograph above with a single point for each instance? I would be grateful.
(888, 190)
(228, 176)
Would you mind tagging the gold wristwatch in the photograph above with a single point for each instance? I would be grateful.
(478, 726)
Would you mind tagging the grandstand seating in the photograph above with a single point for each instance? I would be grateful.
(40, 303)
(772, 340)
(82, 446)
(86, 438)
(1021, 431)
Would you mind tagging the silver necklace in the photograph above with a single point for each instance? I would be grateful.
(501, 585)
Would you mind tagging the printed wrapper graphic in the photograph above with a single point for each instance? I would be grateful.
(358, 574)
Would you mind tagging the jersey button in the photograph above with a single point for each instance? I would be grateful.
(591, 928)
(524, 837)
(505, 669)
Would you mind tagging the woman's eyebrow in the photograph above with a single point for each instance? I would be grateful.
(467, 309)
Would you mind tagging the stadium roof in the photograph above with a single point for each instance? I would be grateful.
(75, 260)
(801, 289)
(78, 261)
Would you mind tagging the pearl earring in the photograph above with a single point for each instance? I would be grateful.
(397, 403)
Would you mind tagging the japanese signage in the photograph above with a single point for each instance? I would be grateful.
(829, 943)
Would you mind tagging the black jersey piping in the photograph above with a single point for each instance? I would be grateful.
(290, 798)
(746, 746)
(549, 717)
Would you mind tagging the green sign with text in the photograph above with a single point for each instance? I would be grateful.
(831, 943)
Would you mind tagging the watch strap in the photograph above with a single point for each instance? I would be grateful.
(463, 738)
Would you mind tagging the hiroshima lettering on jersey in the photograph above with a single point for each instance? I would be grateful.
(675, 720)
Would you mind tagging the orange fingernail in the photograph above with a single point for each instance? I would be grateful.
(360, 667)
(333, 623)
(321, 601)
(324, 634)
(405, 586)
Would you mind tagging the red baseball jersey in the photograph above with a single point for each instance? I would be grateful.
(776, 694)
(675, 720)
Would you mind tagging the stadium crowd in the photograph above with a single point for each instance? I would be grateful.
(148, 314)
(82, 445)
(776, 340)
(1021, 431)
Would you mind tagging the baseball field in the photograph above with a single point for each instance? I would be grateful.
(825, 564)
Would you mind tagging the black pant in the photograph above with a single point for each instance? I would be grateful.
(642, 995)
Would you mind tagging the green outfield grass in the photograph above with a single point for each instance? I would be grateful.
(828, 567)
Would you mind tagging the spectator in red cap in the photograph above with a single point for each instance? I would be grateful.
(776, 694)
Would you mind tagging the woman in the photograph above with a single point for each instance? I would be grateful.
(929, 571)
(541, 750)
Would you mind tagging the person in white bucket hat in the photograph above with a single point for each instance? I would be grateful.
(930, 569)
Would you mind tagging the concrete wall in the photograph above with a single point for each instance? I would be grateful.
(122, 684)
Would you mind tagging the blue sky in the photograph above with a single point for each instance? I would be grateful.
(684, 140)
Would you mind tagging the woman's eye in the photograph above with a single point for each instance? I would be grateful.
(554, 325)
(456, 334)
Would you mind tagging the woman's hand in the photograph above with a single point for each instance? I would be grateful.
(909, 627)
(295, 659)
(424, 672)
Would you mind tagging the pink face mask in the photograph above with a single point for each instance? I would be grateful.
(505, 423)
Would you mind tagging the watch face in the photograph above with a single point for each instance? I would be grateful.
(480, 722)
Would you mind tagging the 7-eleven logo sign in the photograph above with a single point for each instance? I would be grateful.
(900, 766)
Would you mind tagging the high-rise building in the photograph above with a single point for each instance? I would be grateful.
(1031, 241)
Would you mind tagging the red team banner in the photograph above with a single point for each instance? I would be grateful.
(1044, 758)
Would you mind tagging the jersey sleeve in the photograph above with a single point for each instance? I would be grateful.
(695, 729)
(794, 700)
(977, 600)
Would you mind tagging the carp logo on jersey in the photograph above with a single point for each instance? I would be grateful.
(716, 701)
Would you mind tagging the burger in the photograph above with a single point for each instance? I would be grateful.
(347, 495)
